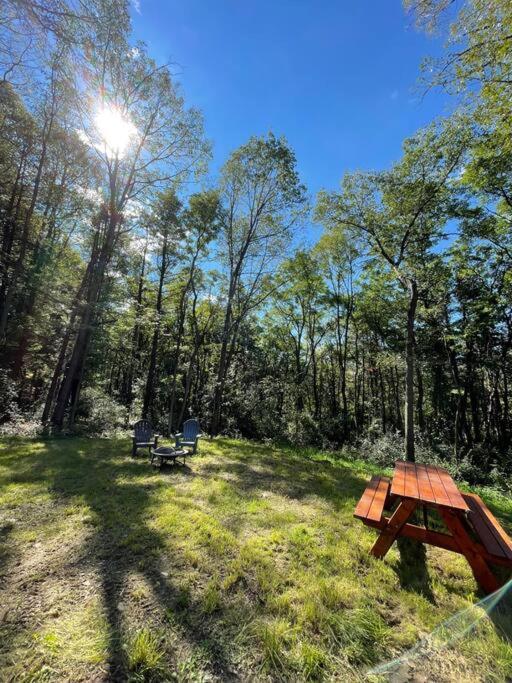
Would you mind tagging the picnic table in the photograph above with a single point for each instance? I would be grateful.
(164, 454)
(471, 528)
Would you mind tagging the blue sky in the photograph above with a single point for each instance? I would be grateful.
(336, 77)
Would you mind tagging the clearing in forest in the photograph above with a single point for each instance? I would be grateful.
(246, 565)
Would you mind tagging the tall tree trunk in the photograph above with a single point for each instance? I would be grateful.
(87, 320)
(344, 398)
(382, 393)
(150, 381)
(409, 371)
(6, 301)
(135, 349)
(182, 311)
(395, 379)
(420, 398)
(218, 393)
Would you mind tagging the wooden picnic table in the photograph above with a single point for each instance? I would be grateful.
(472, 529)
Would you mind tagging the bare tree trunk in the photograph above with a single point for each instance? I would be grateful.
(396, 389)
(150, 381)
(382, 392)
(135, 350)
(220, 382)
(409, 371)
(87, 320)
(420, 398)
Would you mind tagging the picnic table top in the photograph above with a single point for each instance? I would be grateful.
(427, 484)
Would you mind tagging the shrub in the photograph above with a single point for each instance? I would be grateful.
(99, 413)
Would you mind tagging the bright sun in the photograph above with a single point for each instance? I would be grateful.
(115, 130)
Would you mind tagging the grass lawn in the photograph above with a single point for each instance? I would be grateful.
(248, 565)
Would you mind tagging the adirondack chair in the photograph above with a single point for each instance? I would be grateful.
(143, 436)
(190, 435)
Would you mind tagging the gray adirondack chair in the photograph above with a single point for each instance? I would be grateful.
(143, 437)
(189, 436)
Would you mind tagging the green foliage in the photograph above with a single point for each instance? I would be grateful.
(100, 412)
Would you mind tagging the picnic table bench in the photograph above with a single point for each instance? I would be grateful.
(472, 529)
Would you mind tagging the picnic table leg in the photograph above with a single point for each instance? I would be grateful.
(481, 570)
(392, 528)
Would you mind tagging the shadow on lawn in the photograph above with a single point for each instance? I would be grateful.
(122, 541)
(5, 529)
(297, 478)
(119, 492)
(257, 468)
(412, 568)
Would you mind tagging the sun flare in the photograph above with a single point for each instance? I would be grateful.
(116, 131)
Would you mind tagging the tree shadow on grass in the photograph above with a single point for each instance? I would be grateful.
(256, 469)
(118, 495)
(412, 569)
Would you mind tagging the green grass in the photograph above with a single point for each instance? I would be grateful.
(247, 565)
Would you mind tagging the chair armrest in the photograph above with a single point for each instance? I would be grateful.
(178, 434)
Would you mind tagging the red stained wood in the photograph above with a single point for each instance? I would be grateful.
(456, 500)
(438, 489)
(366, 499)
(427, 484)
(415, 484)
(424, 485)
(372, 502)
(479, 566)
(412, 489)
(492, 534)
(393, 527)
(379, 501)
(398, 483)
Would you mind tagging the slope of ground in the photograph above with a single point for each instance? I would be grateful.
(246, 565)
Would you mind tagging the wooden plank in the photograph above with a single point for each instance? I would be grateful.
(425, 487)
(435, 538)
(366, 499)
(440, 495)
(379, 500)
(398, 483)
(471, 551)
(392, 528)
(487, 527)
(456, 499)
(411, 482)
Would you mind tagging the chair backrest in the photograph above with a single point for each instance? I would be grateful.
(143, 430)
(191, 429)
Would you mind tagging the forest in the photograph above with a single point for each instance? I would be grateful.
(132, 284)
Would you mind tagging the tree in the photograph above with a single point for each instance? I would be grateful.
(401, 213)
(167, 233)
(144, 138)
(300, 306)
(261, 199)
(201, 225)
(340, 262)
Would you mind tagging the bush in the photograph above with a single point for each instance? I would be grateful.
(9, 409)
(98, 413)
(304, 431)
(477, 466)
